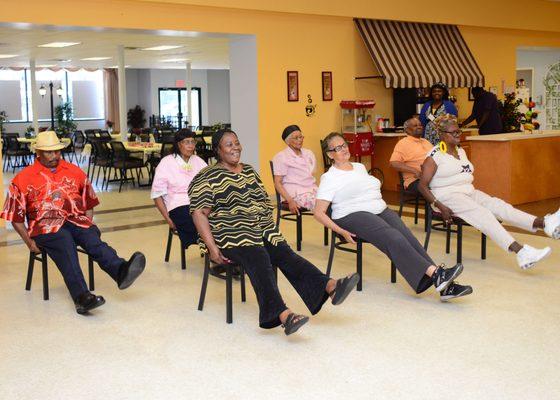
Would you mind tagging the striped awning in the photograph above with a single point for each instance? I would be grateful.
(416, 55)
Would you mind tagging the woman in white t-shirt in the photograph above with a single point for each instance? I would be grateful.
(358, 210)
(449, 174)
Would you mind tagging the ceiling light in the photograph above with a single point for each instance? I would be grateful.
(42, 90)
(116, 66)
(46, 66)
(175, 60)
(161, 48)
(96, 58)
(8, 55)
(59, 44)
(59, 91)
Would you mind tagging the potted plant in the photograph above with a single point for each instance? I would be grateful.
(109, 125)
(64, 115)
(3, 119)
(136, 119)
(511, 117)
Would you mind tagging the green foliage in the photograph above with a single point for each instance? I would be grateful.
(64, 115)
(136, 117)
(511, 117)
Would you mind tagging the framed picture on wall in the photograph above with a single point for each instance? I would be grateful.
(327, 85)
(293, 86)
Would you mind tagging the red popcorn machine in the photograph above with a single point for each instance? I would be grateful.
(357, 116)
(356, 126)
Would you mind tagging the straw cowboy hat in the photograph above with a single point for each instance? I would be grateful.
(48, 141)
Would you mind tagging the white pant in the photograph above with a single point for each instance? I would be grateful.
(480, 210)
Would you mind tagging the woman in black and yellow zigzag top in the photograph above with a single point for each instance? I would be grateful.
(233, 215)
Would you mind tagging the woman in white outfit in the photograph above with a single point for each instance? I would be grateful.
(446, 183)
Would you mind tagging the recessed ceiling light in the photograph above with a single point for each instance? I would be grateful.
(160, 48)
(175, 60)
(59, 44)
(95, 58)
(8, 55)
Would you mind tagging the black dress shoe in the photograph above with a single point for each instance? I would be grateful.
(88, 301)
(131, 270)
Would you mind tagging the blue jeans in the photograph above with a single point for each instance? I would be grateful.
(61, 247)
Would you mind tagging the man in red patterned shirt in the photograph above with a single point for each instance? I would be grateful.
(57, 200)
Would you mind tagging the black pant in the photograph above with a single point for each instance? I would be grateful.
(309, 282)
(413, 187)
(388, 233)
(61, 247)
(183, 221)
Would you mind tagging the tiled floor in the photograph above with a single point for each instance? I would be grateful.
(150, 342)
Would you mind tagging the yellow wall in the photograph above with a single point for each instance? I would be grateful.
(306, 43)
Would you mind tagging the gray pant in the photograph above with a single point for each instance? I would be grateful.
(389, 234)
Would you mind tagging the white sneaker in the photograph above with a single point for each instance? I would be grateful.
(552, 225)
(528, 256)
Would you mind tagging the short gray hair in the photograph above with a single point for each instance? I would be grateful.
(408, 122)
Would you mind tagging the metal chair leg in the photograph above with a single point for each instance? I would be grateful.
(459, 242)
(325, 236)
(448, 239)
(183, 257)
(299, 228)
(359, 263)
(45, 275)
(483, 246)
(428, 229)
(229, 299)
(393, 273)
(331, 253)
(30, 271)
(204, 282)
(168, 248)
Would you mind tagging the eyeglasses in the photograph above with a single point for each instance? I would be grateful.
(298, 137)
(456, 133)
(338, 148)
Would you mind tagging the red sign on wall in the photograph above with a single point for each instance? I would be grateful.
(180, 83)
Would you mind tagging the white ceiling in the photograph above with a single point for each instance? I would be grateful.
(205, 51)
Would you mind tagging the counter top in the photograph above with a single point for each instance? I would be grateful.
(389, 134)
(506, 137)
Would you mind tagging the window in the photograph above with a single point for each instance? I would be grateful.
(13, 89)
(173, 100)
(83, 88)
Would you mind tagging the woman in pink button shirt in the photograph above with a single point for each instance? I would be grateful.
(171, 182)
(293, 172)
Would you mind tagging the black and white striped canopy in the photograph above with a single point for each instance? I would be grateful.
(416, 55)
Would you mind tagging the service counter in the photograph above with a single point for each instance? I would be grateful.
(517, 167)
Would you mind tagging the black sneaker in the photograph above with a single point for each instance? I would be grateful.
(88, 301)
(455, 290)
(443, 277)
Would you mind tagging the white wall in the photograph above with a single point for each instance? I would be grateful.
(21, 127)
(540, 61)
(218, 96)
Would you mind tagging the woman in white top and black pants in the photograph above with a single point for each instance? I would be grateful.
(449, 174)
(358, 210)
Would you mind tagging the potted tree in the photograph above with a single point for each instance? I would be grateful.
(64, 115)
(136, 119)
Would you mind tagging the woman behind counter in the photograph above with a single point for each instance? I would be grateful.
(233, 215)
(438, 104)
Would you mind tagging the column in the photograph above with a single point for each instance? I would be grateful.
(122, 92)
(34, 95)
(188, 83)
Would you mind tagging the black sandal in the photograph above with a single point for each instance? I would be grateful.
(294, 322)
(343, 288)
